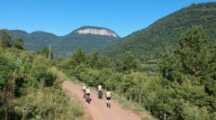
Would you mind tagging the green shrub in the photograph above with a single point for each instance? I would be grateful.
(191, 112)
(47, 104)
(41, 75)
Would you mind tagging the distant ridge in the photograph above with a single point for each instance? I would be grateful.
(65, 45)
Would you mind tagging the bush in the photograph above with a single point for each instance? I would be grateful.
(191, 112)
(47, 104)
(41, 75)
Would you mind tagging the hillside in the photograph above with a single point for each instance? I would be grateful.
(164, 33)
(35, 40)
(93, 38)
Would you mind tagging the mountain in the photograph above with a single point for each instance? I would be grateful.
(150, 42)
(89, 38)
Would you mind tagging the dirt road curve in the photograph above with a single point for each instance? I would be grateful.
(97, 108)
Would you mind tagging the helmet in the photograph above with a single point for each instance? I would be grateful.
(99, 87)
(84, 87)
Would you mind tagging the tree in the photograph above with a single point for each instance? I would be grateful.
(78, 57)
(19, 44)
(93, 59)
(50, 54)
(5, 39)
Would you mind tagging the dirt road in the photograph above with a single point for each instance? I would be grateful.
(97, 108)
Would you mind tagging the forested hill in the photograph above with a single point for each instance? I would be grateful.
(88, 38)
(164, 33)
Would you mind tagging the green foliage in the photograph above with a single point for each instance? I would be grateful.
(27, 82)
(98, 61)
(193, 57)
(126, 62)
(190, 112)
(7, 68)
(42, 76)
(188, 71)
(194, 52)
(47, 104)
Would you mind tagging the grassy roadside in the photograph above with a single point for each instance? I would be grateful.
(145, 115)
(75, 107)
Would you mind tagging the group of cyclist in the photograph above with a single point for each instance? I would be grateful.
(100, 92)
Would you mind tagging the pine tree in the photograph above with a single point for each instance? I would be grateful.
(50, 54)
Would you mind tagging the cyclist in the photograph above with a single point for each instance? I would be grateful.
(108, 98)
(84, 90)
(88, 93)
(100, 92)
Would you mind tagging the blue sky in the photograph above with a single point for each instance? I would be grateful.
(63, 16)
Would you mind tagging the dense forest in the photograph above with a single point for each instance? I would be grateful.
(163, 34)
